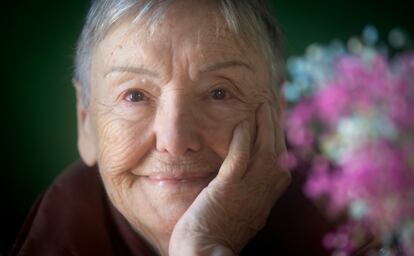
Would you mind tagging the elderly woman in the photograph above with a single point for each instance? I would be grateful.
(179, 130)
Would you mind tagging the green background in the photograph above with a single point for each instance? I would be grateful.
(37, 44)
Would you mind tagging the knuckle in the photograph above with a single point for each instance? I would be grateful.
(279, 178)
(286, 177)
(268, 146)
(268, 159)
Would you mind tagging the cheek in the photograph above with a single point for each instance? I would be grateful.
(122, 143)
(219, 122)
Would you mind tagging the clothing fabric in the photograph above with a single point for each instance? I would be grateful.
(75, 217)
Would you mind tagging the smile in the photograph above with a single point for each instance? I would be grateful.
(180, 180)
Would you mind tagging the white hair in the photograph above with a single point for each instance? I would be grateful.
(251, 20)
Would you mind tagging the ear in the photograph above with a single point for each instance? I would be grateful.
(86, 137)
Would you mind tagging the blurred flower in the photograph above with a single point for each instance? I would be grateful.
(351, 112)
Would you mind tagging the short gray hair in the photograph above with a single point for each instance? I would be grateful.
(246, 18)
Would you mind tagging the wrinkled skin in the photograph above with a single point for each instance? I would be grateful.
(184, 130)
(236, 204)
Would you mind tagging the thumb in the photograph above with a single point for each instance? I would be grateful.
(235, 164)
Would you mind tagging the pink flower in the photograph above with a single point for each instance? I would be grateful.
(357, 128)
(333, 102)
(298, 126)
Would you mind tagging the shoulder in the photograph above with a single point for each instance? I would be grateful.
(68, 218)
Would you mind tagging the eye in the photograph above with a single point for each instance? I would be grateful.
(219, 94)
(135, 96)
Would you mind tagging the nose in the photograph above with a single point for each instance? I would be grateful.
(175, 126)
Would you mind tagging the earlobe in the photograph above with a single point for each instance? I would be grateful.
(86, 138)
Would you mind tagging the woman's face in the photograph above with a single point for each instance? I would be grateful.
(162, 110)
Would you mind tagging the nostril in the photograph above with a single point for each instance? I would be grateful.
(176, 145)
(176, 138)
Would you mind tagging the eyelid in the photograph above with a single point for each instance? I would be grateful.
(228, 89)
(125, 94)
(144, 85)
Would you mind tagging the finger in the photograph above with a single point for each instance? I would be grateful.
(269, 145)
(280, 143)
(265, 136)
(235, 164)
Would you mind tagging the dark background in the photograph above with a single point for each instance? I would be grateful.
(38, 104)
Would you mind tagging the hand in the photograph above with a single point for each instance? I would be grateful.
(236, 204)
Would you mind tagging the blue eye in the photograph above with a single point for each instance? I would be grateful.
(219, 94)
(135, 96)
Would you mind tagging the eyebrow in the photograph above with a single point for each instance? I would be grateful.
(135, 70)
(226, 64)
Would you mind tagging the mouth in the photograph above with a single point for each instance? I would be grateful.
(184, 179)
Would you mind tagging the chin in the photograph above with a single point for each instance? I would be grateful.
(158, 208)
(170, 216)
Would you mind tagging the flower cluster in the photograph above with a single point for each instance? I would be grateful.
(351, 116)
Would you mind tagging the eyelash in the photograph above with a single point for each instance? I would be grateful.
(218, 93)
(142, 96)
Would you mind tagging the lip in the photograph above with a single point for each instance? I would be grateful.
(179, 180)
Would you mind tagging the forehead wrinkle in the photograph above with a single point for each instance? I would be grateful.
(131, 69)
(213, 42)
(227, 64)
